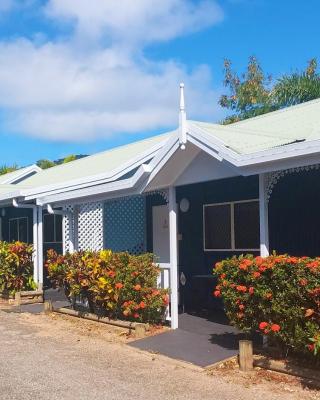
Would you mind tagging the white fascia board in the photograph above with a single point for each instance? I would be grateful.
(100, 189)
(6, 200)
(23, 173)
(96, 179)
(162, 157)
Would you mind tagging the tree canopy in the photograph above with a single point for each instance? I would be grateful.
(254, 92)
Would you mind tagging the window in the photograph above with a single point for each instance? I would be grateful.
(232, 226)
(52, 228)
(18, 229)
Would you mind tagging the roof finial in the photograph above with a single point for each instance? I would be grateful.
(182, 119)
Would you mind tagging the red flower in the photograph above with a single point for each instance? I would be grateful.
(256, 274)
(303, 282)
(311, 347)
(137, 287)
(268, 296)
(241, 307)
(262, 268)
(119, 285)
(241, 288)
(112, 274)
(245, 264)
(217, 293)
(275, 328)
(136, 315)
(165, 299)
(142, 304)
(222, 276)
(251, 290)
(258, 260)
(263, 325)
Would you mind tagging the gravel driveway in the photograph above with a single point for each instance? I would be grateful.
(55, 357)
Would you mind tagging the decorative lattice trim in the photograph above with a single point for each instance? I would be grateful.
(274, 177)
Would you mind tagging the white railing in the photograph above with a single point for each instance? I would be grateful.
(164, 282)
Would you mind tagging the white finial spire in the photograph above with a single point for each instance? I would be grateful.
(182, 119)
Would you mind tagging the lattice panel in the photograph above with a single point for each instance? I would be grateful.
(66, 226)
(125, 224)
(90, 226)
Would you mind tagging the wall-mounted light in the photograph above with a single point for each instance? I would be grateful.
(184, 205)
(3, 212)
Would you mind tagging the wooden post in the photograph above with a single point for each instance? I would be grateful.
(17, 299)
(48, 307)
(245, 355)
(140, 330)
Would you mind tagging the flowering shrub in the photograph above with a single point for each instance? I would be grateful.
(118, 285)
(16, 267)
(278, 296)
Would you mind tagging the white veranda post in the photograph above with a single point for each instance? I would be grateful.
(35, 245)
(40, 249)
(173, 257)
(263, 208)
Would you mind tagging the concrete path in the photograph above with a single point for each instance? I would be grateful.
(201, 341)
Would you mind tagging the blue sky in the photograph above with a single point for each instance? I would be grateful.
(79, 76)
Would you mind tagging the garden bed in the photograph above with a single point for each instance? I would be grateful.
(289, 367)
(23, 297)
(140, 328)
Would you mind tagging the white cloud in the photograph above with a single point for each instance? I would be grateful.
(64, 90)
(6, 5)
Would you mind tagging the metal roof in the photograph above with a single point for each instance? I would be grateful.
(90, 166)
(278, 128)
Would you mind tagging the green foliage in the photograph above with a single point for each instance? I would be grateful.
(249, 94)
(278, 296)
(5, 169)
(69, 158)
(297, 87)
(45, 164)
(118, 285)
(254, 93)
(16, 267)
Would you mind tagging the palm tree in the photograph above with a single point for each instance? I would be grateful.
(297, 87)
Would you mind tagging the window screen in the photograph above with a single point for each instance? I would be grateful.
(52, 228)
(23, 230)
(217, 220)
(18, 230)
(246, 225)
(48, 228)
(13, 230)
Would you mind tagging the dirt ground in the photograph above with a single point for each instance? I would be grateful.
(59, 357)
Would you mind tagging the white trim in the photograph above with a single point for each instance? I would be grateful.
(263, 217)
(232, 231)
(173, 257)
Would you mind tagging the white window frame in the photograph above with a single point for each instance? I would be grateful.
(19, 219)
(231, 204)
